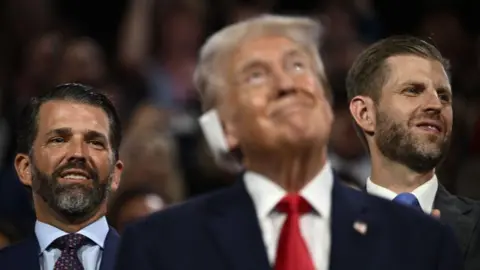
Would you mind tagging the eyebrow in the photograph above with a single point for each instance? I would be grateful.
(258, 62)
(59, 132)
(250, 64)
(294, 52)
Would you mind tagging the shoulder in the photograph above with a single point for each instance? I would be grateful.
(18, 249)
(458, 204)
(466, 202)
(393, 214)
(178, 217)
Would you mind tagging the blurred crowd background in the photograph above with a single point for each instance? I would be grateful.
(142, 54)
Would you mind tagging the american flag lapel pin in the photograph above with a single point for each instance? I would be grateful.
(361, 227)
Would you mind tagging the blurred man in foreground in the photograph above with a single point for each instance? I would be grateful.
(267, 82)
(401, 100)
(68, 155)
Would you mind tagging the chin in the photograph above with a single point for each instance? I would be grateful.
(305, 139)
(430, 152)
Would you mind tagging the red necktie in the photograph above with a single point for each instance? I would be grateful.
(292, 251)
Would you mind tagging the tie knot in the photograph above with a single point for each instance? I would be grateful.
(407, 198)
(72, 241)
(293, 204)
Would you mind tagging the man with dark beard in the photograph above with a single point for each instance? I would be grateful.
(401, 101)
(68, 155)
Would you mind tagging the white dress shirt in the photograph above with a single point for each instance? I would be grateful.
(424, 193)
(90, 255)
(314, 226)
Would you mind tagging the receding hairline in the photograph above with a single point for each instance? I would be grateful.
(219, 48)
(261, 23)
(373, 61)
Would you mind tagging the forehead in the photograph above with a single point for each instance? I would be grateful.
(73, 115)
(417, 69)
(267, 47)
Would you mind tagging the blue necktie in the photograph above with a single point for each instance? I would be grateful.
(408, 199)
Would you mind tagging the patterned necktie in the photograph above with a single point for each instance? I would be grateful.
(408, 199)
(69, 245)
(292, 251)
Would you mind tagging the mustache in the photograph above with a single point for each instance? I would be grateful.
(426, 116)
(76, 164)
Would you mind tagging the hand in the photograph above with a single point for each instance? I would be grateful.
(435, 213)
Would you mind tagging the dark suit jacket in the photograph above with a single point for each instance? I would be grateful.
(221, 231)
(25, 255)
(463, 215)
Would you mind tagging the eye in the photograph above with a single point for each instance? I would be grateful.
(96, 143)
(445, 96)
(56, 140)
(298, 66)
(412, 90)
(256, 77)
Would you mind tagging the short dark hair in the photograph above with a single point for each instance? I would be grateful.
(75, 92)
(369, 71)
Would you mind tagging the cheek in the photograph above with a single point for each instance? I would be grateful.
(103, 163)
(311, 83)
(47, 161)
(250, 104)
(449, 118)
(256, 102)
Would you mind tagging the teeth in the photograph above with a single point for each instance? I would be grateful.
(74, 176)
(431, 127)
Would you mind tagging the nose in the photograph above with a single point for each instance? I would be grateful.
(433, 102)
(284, 84)
(77, 150)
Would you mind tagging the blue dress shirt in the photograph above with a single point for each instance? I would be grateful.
(90, 255)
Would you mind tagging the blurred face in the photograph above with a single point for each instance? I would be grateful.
(414, 115)
(83, 60)
(180, 31)
(41, 55)
(276, 99)
(138, 207)
(71, 165)
(344, 140)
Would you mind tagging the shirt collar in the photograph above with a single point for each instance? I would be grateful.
(266, 194)
(46, 233)
(424, 193)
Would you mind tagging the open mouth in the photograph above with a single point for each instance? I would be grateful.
(75, 175)
(431, 126)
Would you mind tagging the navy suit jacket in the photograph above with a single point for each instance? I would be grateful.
(25, 255)
(220, 231)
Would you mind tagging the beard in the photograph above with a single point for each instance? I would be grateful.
(74, 202)
(420, 153)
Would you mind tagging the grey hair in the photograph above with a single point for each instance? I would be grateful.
(208, 78)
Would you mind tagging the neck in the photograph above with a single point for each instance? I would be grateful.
(47, 215)
(292, 170)
(395, 176)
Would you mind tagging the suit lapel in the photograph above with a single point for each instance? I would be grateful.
(233, 224)
(455, 213)
(110, 250)
(351, 230)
